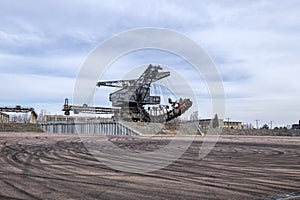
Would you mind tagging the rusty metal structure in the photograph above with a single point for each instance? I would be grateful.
(19, 109)
(87, 109)
(130, 100)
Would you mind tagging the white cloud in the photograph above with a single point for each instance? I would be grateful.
(254, 45)
(36, 90)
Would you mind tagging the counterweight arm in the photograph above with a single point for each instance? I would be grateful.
(118, 83)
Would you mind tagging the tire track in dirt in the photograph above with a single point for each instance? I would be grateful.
(39, 166)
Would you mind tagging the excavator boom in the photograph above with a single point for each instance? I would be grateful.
(128, 102)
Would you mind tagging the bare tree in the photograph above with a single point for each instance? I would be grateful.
(194, 116)
(215, 122)
(42, 115)
(265, 126)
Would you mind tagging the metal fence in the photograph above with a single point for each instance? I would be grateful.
(111, 128)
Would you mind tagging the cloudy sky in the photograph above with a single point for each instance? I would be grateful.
(255, 46)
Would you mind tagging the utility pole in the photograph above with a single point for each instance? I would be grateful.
(299, 128)
(271, 123)
(257, 120)
(228, 122)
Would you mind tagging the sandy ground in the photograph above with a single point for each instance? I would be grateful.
(49, 166)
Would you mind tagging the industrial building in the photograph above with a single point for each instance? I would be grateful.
(207, 123)
(4, 118)
(19, 109)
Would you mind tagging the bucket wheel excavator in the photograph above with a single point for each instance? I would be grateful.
(129, 101)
